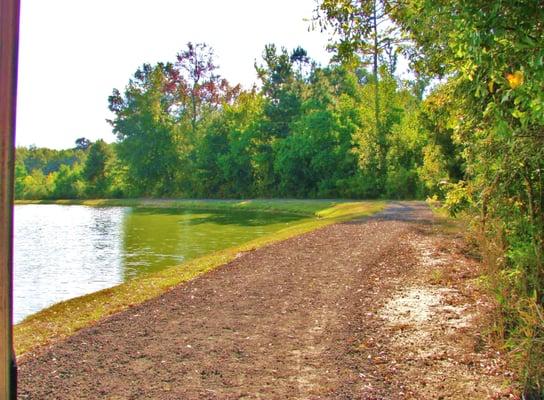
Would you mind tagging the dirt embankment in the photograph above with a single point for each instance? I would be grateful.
(382, 308)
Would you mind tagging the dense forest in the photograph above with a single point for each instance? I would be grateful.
(466, 128)
(307, 131)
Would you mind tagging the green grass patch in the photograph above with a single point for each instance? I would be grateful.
(65, 318)
(294, 206)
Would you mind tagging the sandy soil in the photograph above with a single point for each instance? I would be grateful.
(381, 308)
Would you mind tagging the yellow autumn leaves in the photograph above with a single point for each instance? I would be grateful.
(515, 80)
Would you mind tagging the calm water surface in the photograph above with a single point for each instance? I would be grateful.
(61, 252)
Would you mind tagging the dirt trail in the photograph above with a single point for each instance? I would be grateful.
(381, 308)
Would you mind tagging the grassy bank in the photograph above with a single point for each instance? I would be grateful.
(65, 318)
(291, 206)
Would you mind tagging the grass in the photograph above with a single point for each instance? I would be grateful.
(293, 206)
(65, 318)
(458, 224)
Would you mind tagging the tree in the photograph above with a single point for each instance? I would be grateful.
(443, 162)
(299, 58)
(161, 116)
(238, 166)
(20, 175)
(146, 126)
(38, 186)
(492, 53)
(364, 29)
(48, 160)
(198, 82)
(405, 148)
(83, 143)
(68, 183)
(207, 175)
(95, 170)
(280, 89)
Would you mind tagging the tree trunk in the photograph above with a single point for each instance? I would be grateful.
(377, 125)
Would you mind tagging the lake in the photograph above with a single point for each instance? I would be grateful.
(62, 252)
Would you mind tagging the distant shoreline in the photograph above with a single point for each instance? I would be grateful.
(291, 206)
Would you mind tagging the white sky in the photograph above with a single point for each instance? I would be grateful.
(74, 52)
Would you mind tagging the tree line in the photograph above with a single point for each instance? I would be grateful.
(307, 131)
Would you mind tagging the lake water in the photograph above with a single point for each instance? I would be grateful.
(61, 252)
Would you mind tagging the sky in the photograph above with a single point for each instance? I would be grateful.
(74, 52)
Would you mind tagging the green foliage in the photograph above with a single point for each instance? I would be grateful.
(160, 119)
(317, 154)
(149, 144)
(68, 183)
(48, 160)
(492, 110)
(36, 185)
(42, 173)
(404, 158)
(238, 164)
(20, 175)
(363, 28)
(443, 162)
(309, 132)
(281, 88)
(97, 169)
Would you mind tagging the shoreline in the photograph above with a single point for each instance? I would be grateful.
(310, 208)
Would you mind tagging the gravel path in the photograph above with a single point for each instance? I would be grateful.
(313, 317)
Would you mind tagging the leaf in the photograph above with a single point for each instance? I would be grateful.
(515, 80)
(518, 114)
(491, 86)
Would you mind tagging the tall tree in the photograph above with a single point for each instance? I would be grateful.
(158, 118)
(364, 28)
(279, 86)
(198, 83)
(95, 170)
(145, 124)
(283, 81)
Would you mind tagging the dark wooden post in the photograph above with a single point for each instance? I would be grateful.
(9, 44)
